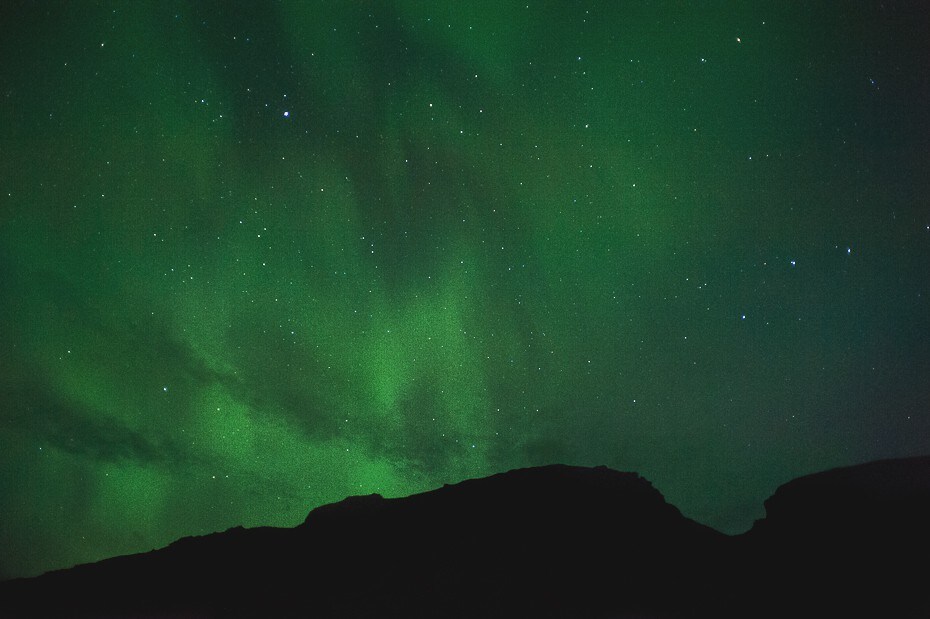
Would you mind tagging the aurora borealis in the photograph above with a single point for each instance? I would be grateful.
(258, 257)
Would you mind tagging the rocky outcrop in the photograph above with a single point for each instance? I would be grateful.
(847, 542)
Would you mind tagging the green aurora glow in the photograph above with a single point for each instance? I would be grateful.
(258, 258)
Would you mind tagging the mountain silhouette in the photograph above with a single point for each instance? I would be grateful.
(552, 541)
(848, 542)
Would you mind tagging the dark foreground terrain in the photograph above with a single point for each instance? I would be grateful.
(554, 541)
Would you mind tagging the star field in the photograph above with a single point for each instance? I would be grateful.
(254, 260)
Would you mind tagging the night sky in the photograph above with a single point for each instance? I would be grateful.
(256, 257)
